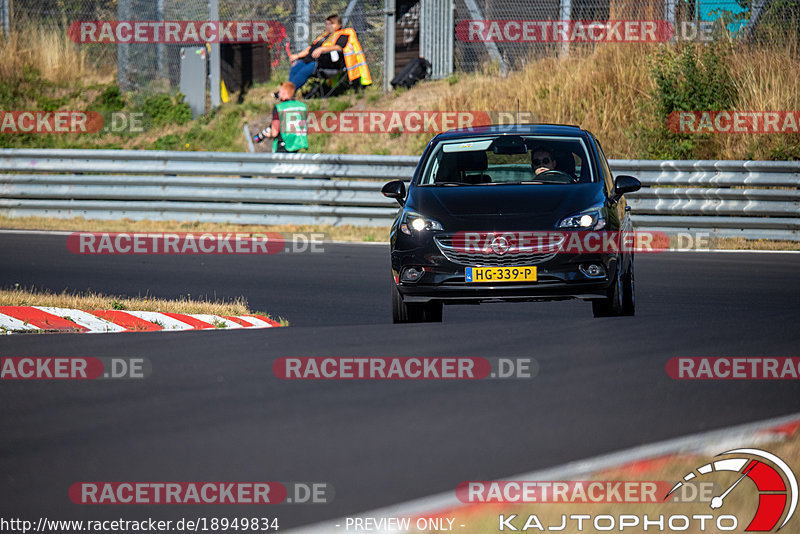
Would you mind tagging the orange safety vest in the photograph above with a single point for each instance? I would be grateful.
(354, 58)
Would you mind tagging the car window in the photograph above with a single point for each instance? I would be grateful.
(491, 160)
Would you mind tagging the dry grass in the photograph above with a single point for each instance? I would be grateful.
(57, 58)
(741, 502)
(600, 91)
(98, 301)
(740, 243)
(332, 233)
(608, 91)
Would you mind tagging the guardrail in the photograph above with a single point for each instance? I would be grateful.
(753, 199)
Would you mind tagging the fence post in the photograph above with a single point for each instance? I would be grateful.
(5, 8)
(213, 14)
(389, 27)
(566, 16)
(302, 25)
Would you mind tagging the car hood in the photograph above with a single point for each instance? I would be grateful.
(504, 206)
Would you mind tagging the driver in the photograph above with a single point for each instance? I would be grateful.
(542, 161)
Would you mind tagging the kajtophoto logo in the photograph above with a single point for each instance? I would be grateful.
(775, 482)
(772, 491)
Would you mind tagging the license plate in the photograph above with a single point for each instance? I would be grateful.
(501, 274)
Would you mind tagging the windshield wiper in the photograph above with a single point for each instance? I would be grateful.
(449, 183)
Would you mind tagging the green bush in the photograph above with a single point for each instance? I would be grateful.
(165, 109)
(690, 77)
(693, 78)
(167, 142)
(110, 99)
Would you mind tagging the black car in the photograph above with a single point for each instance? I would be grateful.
(492, 214)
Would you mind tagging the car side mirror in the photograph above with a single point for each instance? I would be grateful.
(395, 189)
(625, 184)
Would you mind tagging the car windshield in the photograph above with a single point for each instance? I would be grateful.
(508, 159)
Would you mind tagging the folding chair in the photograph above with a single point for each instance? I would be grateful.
(326, 82)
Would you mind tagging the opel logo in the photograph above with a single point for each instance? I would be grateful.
(500, 245)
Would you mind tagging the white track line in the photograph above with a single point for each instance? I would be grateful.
(87, 320)
(711, 443)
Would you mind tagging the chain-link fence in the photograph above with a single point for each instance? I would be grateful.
(156, 67)
(759, 21)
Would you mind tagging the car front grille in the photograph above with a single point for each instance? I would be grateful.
(527, 255)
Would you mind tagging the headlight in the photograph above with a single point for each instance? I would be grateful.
(591, 219)
(414, 222)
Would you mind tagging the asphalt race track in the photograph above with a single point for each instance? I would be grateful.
(213, 410)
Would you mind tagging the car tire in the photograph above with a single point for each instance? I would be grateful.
(611, 305)
(629, 290)
(429, 312)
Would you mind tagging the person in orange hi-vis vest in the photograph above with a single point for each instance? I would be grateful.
(336, 47)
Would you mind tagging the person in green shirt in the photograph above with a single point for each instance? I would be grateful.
(289, 130)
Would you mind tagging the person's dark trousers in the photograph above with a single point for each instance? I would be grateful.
(300, 72)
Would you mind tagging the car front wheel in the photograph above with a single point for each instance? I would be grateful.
(629, 291)
(611, 305)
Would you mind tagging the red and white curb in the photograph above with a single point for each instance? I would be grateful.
(16, 319)
(637, 459)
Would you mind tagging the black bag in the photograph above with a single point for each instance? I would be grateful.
(415, 70)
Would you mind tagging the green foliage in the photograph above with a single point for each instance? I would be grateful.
(688, 78)
(164, 109)
(693, 78)
(339, 104)
(788, 148)
(45, 103)
(110, 99)
(167, 142)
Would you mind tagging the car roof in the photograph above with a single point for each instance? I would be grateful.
(515, 129)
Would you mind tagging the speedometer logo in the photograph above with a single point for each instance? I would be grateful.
(774, 480)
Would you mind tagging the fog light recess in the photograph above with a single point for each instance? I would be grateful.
(411, 274)
(593, 270)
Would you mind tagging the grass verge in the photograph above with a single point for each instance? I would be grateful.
(614, 91)
(19, 296)
(333, 233)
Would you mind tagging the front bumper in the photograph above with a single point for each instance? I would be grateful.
(558, 279)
